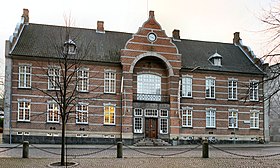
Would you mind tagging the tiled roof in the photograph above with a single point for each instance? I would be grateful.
(37, 40)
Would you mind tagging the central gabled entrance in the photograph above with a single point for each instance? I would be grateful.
(151, 127)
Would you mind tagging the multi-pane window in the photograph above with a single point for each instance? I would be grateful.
(163, 125)
(109, 114)
(148, 87)
(109, 82)
(232, 89)
(53, 78)
(24, 110)
(138, 120)
(151, 112)
(83, 80)
(53, 112)
(82, 113)
(254, 91)
(24, 76)
(163, 113)
(210, 118)
(187, 117)
(233, 118)
(187, 87)
(254, 119)
(210, 88)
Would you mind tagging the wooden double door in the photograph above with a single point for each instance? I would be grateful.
(151, 127)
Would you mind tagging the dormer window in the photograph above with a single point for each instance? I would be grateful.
(70, 47)
(216, 59)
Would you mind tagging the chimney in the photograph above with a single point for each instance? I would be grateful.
(236, 38)
(25, 16)
(176, 34)
(100, 27)
(151, 14)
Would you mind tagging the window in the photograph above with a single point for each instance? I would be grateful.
(210, 88)
(233, 118)
(210, 118)
(253, 90)
(254, 119)
(163, 113)
(163, 125)
(53, 112)
(138, 125)
(53, 75)
(109, 82)
(82, 113)
(151, 112)
(24, 76)
(148, 87)
(83, 80)
(24, 110)
(187, 117)
(232, 89)
(109, 114)
(187, 87)
(216, 59)
(70, 47)
(138, 112)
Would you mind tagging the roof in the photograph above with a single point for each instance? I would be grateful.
(37, 40)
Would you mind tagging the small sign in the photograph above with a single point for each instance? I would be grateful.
(246, 122)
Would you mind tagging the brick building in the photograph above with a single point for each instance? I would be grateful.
(134, 86)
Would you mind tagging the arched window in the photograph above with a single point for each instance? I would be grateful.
(148, 87)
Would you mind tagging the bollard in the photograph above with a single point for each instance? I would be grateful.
(205, 149)
(25, 149)
(119, 150)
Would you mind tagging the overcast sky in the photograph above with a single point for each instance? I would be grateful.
(207, 20)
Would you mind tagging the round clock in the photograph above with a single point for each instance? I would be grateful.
(152, 37)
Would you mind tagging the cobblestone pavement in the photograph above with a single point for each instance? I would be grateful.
(176, 162)
(181, 156)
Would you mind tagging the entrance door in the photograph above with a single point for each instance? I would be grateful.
(151, 127)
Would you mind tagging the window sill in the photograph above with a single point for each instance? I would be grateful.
(187, 127)
(52, 122)
(82, 123)
(232, 99)
(110, 93)
(231, 128)
(25, 88)
(254, 128)
(83, 91)
(23, 121)
(187, 97)
(210, 127)
(210, 98)
(109, 124)
(253, 100)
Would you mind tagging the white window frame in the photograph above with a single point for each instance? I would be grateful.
(24, 109)
(161, 126)
(138, 125)
(232, 90)
(232, 119)
(151, 113)
(211, 116)
(138, 112)
(26, 83)
(254, 119)
(254, 91)
(109, 81)
(54, 109)
(162, 111)
(187, 86)
(81, 113)
(149, 87)
(186, 115)
(83, 80)
(53, 78)
(209, 85)
(114, 113)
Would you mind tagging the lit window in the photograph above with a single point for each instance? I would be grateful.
(254, 119)
(53, 112)
(24, 76)
(232, 90)
(254, 90)
(233, 118)
(53, 78)
(83, 80)
(210, 88)
(148, 87)
(187, 87)
(24, 110)
(187, 117)
(82, 113)
(109, 114)
(210, 118)
(163, 125)
(109, 82)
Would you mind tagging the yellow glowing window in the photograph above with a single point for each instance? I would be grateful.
(109, 114)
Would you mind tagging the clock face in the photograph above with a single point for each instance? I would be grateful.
(152, 37)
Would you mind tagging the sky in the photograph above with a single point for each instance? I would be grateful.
(205, 20)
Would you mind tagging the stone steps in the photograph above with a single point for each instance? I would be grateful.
(151, 142)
